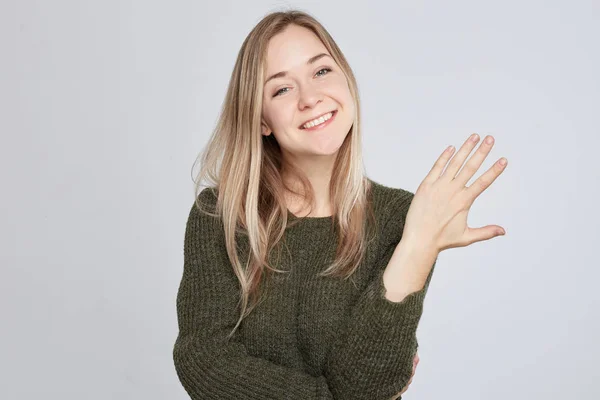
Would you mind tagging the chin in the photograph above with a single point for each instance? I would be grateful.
(327, 148)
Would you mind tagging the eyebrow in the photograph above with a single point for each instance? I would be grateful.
(310, 61)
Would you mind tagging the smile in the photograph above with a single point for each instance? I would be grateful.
(319, 123)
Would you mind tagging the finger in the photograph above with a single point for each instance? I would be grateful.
(484, 233)
(459, 159)
(485, 180)
(474, 162)
(439, 165)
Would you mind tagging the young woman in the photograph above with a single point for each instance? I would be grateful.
(303, 278)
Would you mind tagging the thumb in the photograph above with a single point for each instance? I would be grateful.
(484, 233)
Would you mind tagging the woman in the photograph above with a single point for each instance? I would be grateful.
(303, 278)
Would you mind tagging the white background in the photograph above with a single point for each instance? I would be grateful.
(104, 106)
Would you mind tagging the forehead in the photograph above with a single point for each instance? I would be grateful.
(292, 48)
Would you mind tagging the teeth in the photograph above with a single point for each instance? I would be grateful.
(317, 121)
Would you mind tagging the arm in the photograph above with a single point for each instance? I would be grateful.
(207, 364)
(372, 357)
(408, 269)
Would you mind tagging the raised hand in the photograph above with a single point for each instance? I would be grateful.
(438, 213)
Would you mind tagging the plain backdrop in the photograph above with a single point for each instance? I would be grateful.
(104, 106)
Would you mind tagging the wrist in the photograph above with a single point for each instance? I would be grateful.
(408, 269)
(418, 244)
(417, 251)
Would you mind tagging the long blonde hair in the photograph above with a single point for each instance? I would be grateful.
(246, 169)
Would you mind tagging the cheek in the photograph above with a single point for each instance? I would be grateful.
(270, 113)
(278, 116)
(342, 92)
(265, 112)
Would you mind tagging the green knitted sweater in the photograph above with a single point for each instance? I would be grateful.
(311, 337)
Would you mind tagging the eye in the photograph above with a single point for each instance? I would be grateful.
(324, 69)
(279, 91)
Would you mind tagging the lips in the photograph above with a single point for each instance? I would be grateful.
(319, 116)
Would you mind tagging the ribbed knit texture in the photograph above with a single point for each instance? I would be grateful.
(311, 337)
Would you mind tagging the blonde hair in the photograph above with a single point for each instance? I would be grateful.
(246, 168)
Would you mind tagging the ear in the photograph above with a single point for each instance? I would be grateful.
(265, 130)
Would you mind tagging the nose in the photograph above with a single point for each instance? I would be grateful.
(309, 97)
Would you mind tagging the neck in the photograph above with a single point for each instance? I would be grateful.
(318, 170)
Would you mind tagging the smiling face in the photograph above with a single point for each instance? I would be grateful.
(308, 84)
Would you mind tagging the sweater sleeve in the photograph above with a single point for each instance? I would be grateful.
(372, 357)
(210, 366)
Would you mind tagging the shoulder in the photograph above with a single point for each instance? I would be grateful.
(390, 201)
(208, 195)
(390, 205)
(203, 210)
(206, 200)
